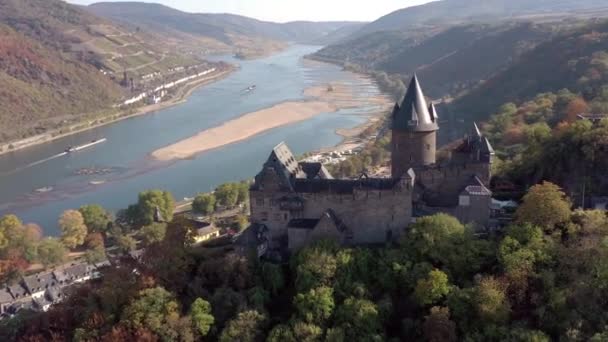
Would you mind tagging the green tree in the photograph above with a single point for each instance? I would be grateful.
(272, 277)
(96, 218)
(73, 229)
(154, 233)
(360, 319)
(545, 205)
(227, 195)
(242, 222)
(126, 243)
(243, 193)
(202, 319)
(10, 230)
(154, 309)
(51, 252)
(316, 305)
(315, 266)
(433, 288)
(248, 326)
(95, 255)
(147, 204)
(204, 204)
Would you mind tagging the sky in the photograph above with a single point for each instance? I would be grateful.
(289, 10)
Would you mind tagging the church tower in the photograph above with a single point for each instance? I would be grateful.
(414, 130)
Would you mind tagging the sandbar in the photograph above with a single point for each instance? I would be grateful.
(320, 99)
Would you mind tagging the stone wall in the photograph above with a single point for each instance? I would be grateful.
(371, 215)
(412, 150)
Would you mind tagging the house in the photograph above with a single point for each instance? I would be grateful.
(207, 232)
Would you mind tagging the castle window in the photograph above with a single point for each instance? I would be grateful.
(428, 147)
(277, 217)
(284, 217)
(264, 216)
(259, 202)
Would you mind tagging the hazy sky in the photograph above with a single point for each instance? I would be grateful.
(288, 10)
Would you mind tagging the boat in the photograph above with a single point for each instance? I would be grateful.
(45, 189)
(71, 149)
(250, 88)
(97, 182)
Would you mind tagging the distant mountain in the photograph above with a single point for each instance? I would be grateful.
(228, 29)
(576, 60)
(446, 12)
(447, 62)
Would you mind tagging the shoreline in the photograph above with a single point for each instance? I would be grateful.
(181, 96)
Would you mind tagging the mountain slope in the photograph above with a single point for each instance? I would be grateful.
(446, 12)
(448, 61)
(576, 60)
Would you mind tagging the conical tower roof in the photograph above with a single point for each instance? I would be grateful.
(414, 114)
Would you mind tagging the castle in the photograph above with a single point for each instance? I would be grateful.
(294, 203)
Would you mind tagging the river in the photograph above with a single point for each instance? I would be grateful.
(126, 153)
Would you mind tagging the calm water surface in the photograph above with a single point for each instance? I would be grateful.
(278, 78)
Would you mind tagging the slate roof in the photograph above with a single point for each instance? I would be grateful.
(207, 230)
(5, 296)
(77, 271)
(413, 114)
(303, 223)
(39, 282)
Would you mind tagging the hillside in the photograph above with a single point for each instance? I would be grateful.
(449, 12)
(448, 61)
(60, 64)
(576, 60)
(227, 31)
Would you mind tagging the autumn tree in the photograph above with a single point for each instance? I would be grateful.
(126, 243)
(545, 205)
(248, 326)
(438, 327)
(576, 107)
(96, 218)
(491, 301)
(73, 229)
(227, 195)
(360, 319)
(157, 310)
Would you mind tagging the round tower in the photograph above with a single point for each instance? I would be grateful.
(414, 132)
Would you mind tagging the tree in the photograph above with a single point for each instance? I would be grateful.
(148, 203)
(126, 243)
(316, 305)
(360, 319)
(242, 222)
(246, 327)
(73, 229)
(204, 204)
(51, 252)
(202, 319)
(576, 107)
(10, 230)
(94, 240)
(227, 195)
(433, 288)
(272, 277)
(154, 233)
(95, 255)
(96, 218)
(491, 301)
(545, 205)
(154, 309)
(315, 266)
(438, 327)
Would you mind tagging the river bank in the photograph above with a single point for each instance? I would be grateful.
(320, 99)
(180, 96)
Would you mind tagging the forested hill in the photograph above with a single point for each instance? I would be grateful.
(576, 60)
(448, 61)
(226, 28)
(446, 12)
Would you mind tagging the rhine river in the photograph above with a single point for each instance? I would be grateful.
(126, 153)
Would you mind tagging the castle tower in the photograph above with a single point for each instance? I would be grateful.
(414, 129)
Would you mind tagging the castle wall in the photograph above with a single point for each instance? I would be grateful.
(447, 182)
(371, 215)
(412, 150)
